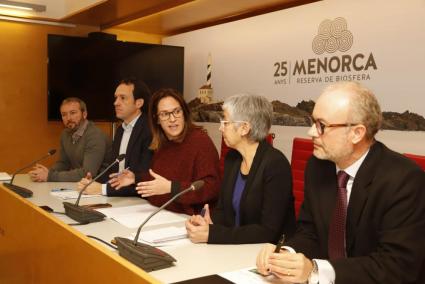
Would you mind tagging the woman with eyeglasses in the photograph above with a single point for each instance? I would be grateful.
(256, 203)
(183, 153)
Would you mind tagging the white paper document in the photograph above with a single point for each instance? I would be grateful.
(164, 235)
(249, 276)
(169, 236)
(71, 194)
(5, 176)
(133, 216)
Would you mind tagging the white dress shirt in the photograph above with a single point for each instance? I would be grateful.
(128, 129)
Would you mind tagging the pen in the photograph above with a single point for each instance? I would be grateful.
(60, 189)
(280, 244)
(203, 212)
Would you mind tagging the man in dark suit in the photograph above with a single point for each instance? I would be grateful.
(363, 216)
(132, 138)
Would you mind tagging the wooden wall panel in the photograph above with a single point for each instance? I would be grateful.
(25, 132)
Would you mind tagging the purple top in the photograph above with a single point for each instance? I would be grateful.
(237, 194)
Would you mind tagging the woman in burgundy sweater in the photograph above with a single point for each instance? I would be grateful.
(183, 153)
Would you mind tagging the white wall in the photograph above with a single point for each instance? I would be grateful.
(244, 54)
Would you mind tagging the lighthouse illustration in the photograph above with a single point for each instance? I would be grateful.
(205, 93)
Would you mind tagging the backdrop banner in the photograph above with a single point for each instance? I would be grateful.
(291, 55)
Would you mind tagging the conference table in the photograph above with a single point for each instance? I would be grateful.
(193, 260)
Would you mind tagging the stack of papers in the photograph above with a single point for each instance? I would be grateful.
(164, 235)
(5, 176)
(133, 216)
(71, 194)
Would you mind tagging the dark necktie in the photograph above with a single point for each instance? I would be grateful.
(336, 238)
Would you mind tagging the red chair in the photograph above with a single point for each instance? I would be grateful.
(302, 149)
(225, 149)
(420, 160)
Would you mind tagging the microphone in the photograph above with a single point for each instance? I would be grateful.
(86, 215)
(147, 257)
(22, 191)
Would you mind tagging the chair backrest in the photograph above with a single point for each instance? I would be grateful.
(302, 149)
(225, 149)
(420, 160)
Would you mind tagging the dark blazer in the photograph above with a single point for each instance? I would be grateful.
(137, 157)
(267, 202)
(385, 219)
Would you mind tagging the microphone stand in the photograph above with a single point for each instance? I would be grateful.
(145, 256)
(22, 191)
(50, 153)
(85, 215)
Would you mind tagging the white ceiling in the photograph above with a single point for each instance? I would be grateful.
(55, 9)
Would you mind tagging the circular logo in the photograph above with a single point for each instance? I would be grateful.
(332, 36)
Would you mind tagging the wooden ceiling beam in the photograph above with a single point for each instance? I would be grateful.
(239, 16)
(145, 12)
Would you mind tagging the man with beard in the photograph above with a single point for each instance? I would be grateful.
(84, 147)
(362, 220)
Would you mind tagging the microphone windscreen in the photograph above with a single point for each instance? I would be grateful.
(197, 184)
(121, 157)
(51, 152)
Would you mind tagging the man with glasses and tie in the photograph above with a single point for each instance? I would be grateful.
(363, 216)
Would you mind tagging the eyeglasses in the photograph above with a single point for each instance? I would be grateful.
(320, 126)
(224, 123)
(165, 115)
